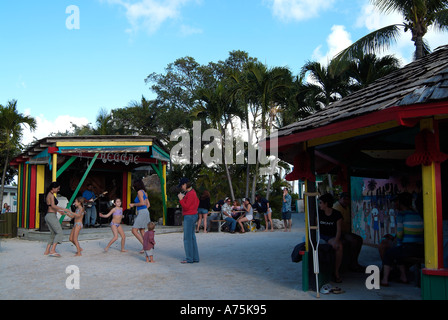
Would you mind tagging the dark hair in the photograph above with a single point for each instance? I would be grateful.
(139, 185)
(327, 198)
(81, 200)
(53, 185)
(205, 195)
(405, 199)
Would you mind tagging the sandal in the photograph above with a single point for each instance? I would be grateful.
(56, 255)
(336, 290)
(325, 289)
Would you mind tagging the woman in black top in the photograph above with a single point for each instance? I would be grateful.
(203, 209)
(56, 234)
(330, 225)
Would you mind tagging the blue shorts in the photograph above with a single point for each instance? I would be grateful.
(286, 215)
(202, 211)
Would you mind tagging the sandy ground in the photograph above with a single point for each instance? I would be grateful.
(251, 266)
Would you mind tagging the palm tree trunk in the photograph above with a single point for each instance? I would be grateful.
(418, 42)
(248, 164)
(229, 178)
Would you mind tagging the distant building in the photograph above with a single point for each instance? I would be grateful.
(10, 197)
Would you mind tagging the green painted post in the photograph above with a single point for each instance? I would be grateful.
(79, 185)
(65, 166)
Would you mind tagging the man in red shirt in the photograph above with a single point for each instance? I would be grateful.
(190, 203)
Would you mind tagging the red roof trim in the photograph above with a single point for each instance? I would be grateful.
(404, 115)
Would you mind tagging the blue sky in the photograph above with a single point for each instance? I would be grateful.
(60, 75)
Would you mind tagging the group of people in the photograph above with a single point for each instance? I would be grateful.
(141, 223)
(334, 223)
(236, 214)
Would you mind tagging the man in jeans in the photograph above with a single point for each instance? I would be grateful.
(90, 215)
(226, 210)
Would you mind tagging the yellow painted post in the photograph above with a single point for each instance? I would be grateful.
(54, 167)
(40, 188)
(129, 187)
(430, 207)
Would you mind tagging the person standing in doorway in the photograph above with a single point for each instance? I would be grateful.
(190, 203)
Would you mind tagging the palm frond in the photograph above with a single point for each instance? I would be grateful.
(371, 43)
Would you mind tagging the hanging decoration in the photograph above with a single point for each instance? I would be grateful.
(427, 150)
(302, 168)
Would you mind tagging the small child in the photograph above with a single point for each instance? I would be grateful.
(149, 242)
(78, 216)
(115, 225)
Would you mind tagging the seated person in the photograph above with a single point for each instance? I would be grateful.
(351, 241)
(226, 211)
(330, 227)
(409, 239)
(247, 216)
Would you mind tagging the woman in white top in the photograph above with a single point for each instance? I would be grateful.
(247, 216)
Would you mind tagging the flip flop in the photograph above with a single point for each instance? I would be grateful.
(56, 255)
(325, 289)
(336, 290)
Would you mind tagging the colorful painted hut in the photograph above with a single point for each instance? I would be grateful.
(389, 137)
(106, 162)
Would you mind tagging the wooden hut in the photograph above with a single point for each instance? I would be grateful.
(396, 129)
(106, 162)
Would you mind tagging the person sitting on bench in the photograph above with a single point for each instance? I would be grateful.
(330, 226)
(247, 216)
(409, 239)
(350, 240)
(226, 211)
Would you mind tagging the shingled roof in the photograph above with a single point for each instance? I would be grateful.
(420, 82)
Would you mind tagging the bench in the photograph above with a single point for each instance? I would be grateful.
(220, 223)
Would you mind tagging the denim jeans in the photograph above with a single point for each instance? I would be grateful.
(232, 223)
(190, 244)
(90, 216)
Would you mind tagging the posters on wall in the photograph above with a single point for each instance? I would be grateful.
(373, 211)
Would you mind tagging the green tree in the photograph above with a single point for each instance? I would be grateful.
(263, 89)
(327, 84)
(367, 68)
(11, 121)
(418, 16)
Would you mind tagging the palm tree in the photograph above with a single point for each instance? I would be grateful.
(327, 83)
(418, 16)
(11, 122)
(264, 89)
(219, 106)
(366, 68)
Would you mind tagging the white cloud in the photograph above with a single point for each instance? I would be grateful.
(46, 127)
(298, 10)
(149, 15)
(337, 40)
